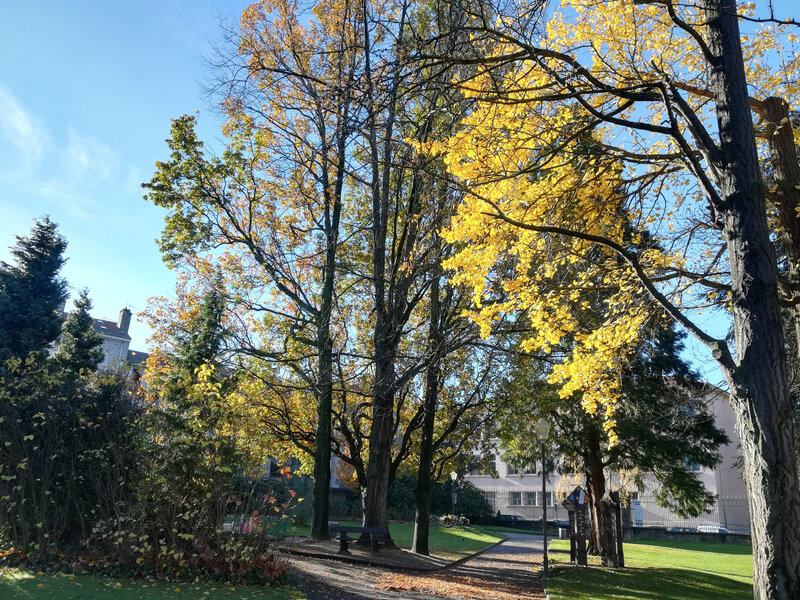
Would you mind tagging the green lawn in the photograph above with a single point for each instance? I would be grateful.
(668, 570)
(452, 542)
(18, 585)
(448, 542)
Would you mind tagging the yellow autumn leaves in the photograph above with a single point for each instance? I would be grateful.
(547, 179)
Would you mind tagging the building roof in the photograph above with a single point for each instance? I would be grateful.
(104, 327)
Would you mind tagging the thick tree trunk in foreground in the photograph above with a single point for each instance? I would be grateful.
(758, 378)
(322, 445)
(600, 531)
(786, 171)
(424, 482)
(376, 500)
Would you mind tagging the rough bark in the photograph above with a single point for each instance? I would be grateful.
(600, 531)
(786, 172)
(376, 499)
(758, 377)
(424, 482)
(322, 442)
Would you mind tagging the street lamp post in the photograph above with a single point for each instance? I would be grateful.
(542, 429)
(453, 477)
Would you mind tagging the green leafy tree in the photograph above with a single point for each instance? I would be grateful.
(190, 463)
(470, 502)
(31, 292)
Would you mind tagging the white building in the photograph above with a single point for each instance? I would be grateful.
(116, 341)
(519, 494)
(725, 481)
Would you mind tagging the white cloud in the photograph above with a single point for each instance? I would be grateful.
(22, 130)
(87, 157)
(86, 164)
(70, 170)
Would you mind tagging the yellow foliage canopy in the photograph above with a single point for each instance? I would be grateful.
(585, 178)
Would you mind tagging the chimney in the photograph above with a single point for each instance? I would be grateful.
(124, 320)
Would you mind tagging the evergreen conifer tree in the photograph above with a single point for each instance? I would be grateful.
(80, 348)
(31, 292)
(664, 422)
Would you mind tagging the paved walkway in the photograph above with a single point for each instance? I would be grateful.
(508, 571)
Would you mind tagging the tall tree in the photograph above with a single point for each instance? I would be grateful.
(665, 88)
(407, 105)
(269, 210)
(80, 346)
(32, 292)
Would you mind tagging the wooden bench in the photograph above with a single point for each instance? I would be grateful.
(376, 535)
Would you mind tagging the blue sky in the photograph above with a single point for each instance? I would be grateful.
(87, 91)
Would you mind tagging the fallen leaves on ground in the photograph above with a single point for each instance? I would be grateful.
(471, 585)
(455, 586)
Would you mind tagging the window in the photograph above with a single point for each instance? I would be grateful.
(511, 470)
(491, 498)
(478, 470)
(531, 470)
(530, 498)
(515, 498)
(548, 498)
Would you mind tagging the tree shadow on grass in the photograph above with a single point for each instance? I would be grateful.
(578, 583)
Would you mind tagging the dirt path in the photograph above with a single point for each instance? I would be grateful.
(509, 571)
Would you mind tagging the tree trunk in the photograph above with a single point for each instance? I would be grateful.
(786, 170)
(322, 439)
(758, 378)
(380, 436)
(601, 519)
(322, 442)
(424, 483)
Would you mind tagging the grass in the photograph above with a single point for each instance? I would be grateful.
(668, 570)
(448, 542)
(19, 585)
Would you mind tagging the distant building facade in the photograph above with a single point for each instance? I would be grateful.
(116, 341)
(518, 493)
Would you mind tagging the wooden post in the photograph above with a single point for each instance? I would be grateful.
(580, 521)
